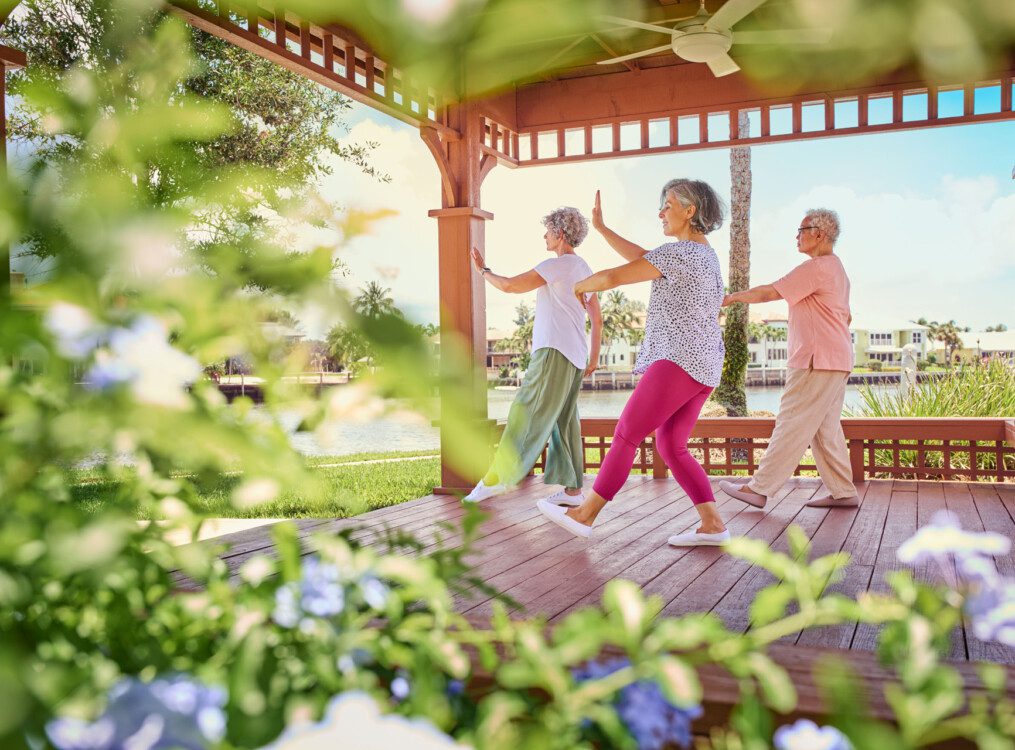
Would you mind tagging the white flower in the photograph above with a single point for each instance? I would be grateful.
(944, 536)
(256, 492)
(77, 332)
(806, 735)
(354, 720)
(142, 357)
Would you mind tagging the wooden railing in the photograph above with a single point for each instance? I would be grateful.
(901, 448)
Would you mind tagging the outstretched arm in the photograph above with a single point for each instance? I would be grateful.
(596, 316)
(523, 282)
(627, 249)
(629, 273)
(766, 293)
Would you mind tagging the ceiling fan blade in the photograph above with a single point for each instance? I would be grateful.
(731, 12)
(637, 24)
(643, 53)
(782, 36)
(722, 66)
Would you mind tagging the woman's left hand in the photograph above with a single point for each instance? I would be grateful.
(727, 300)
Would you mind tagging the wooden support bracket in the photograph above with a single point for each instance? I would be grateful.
(486, 165)
(432, 138)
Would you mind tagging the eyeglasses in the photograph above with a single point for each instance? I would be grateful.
(801, 229)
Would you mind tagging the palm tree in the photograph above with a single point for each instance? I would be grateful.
(619, 319)
(521, 340)
(730, 392)
(946, 333)
(375, 301)
(346, 346)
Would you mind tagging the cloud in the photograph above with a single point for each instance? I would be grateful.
(941, 247)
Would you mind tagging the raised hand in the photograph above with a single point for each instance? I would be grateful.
(477, 259)
(597, 215)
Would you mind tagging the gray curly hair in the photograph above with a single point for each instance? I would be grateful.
(710, 207)
(569, 223)
(826, 220)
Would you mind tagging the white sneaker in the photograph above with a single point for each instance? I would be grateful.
(695, 539)
(483, 491)
(562, 498)
(558, 514)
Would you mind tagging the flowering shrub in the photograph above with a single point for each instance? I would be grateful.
(101, 646)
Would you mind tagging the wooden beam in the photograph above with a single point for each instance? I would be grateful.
(11, 58)
(631, 65)
(658, 92)
(281, 55)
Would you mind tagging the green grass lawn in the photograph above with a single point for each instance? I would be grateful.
(350, 489)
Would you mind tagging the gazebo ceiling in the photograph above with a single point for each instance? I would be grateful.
(871, 72)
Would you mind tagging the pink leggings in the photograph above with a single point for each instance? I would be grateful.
(666, 400)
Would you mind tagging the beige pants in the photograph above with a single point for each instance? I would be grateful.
(809, 414)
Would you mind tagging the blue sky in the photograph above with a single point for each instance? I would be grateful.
(928, 216)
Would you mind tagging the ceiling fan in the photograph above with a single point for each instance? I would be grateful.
(707, 37)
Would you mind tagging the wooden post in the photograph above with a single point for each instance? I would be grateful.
(10, 59)
(460, 227)
(856, 459)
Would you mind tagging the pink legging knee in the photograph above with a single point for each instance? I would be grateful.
(666, 400)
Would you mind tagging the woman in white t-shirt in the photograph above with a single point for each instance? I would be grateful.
(546, 406)
(680, 359)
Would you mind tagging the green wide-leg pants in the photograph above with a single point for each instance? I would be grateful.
(545, 409)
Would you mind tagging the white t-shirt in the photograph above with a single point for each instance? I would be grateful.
(560, 320)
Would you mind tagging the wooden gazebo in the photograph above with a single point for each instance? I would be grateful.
(577, 110)
(654, 104)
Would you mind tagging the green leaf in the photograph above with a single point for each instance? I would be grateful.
(993, 676)
(770, 603)
(678, 681)
(799, 544)
(775, 683)
(625, 600)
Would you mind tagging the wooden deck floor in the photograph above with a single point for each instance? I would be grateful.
(552, 573)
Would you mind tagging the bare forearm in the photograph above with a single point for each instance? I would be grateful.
(765, 293)
(597, 336)
(503, 283)
(600, 281)
(628, 250)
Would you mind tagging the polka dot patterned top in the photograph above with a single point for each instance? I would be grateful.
(683, 311)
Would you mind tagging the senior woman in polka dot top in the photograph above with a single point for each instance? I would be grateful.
(680, 359)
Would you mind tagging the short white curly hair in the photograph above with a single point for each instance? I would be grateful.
(568, 222)
(826, 220)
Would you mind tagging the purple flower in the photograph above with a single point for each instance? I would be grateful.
(373, 591)
(142, 357)
(652, 720)
(990, 597)
(318, 594)
(944, 537)
(806, 735)
(77, 333)
(170, 712)
(400, 686)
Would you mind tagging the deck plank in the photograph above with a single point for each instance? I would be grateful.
(862, 542)
(959, 501)
(900, 524)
